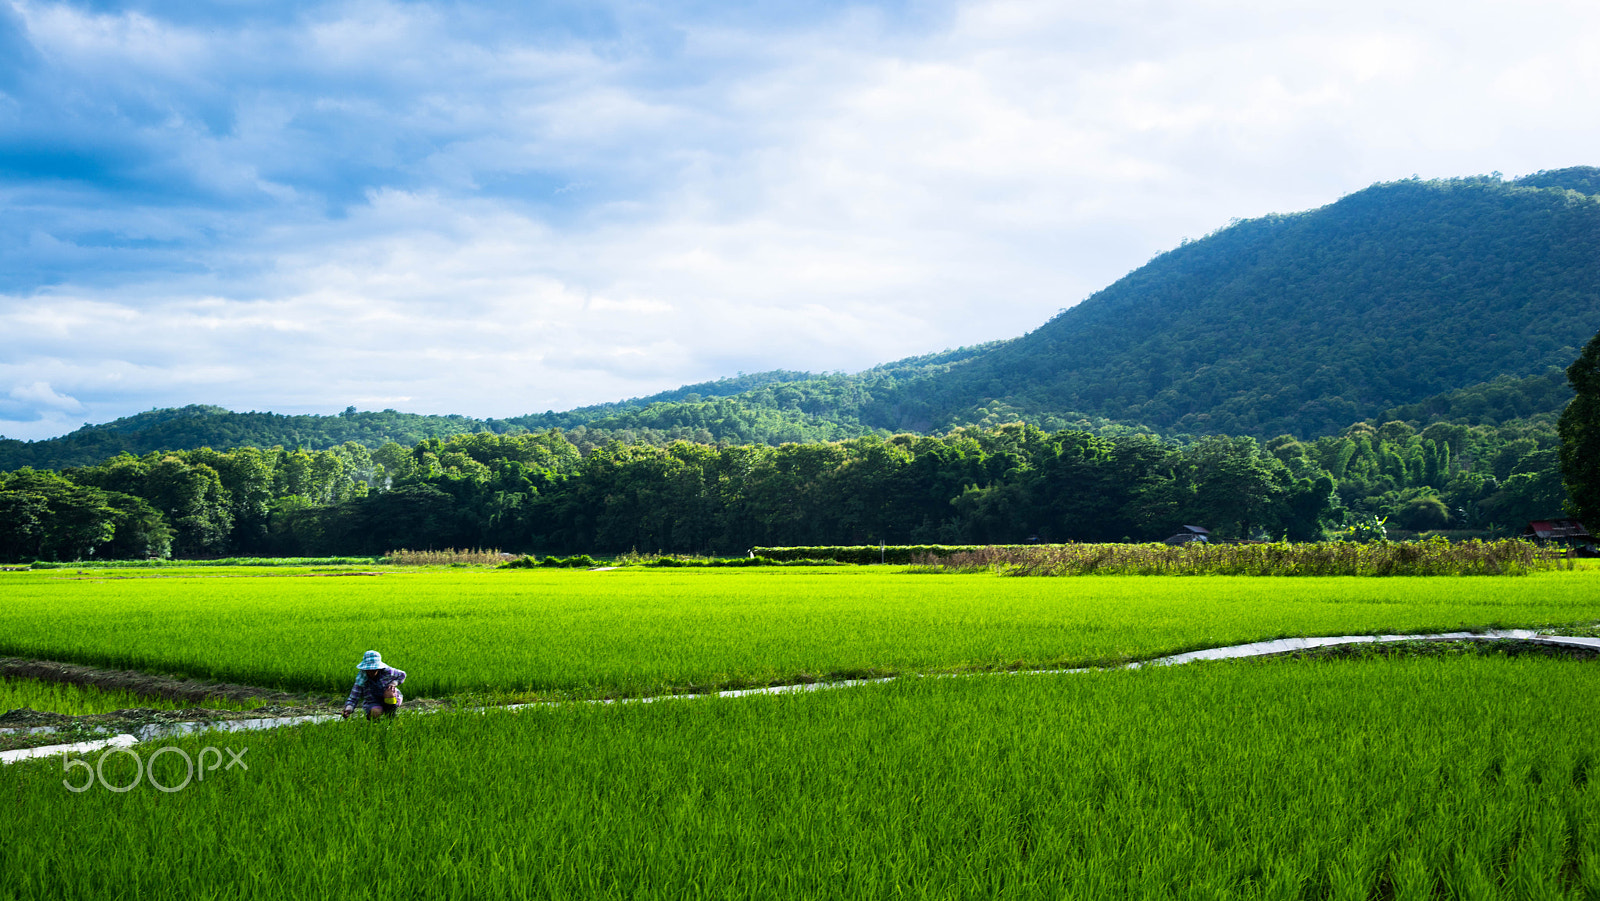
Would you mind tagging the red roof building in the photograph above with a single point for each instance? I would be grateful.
(1564, 530)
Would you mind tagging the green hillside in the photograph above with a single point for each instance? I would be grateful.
(1536, 398)
(1301, 324)
(761, 408)
(199, 425)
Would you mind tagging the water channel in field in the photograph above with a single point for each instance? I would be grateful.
(1232, 652)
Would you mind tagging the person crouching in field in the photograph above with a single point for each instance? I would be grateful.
(377, 687)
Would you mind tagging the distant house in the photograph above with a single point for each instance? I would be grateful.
(1565, 531)
(1188, 534)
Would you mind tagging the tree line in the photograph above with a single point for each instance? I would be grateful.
(543, 492)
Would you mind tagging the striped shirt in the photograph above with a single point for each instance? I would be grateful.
(371, 684)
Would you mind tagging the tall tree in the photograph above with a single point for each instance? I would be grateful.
(1580, 434)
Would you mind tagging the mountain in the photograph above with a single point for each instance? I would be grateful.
(1406, 300)
(1289, 324)
(1301, 324)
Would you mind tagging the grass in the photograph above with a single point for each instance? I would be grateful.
(556, 633)
(1417, 778)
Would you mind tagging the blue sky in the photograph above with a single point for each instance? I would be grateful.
(481, 209)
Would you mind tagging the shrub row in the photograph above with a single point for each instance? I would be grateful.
(577, 561)
(222, 561)
(448, 555)
(1434, 557)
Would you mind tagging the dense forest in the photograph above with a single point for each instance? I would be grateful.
(539, 492)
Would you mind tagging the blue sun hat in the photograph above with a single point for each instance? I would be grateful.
(371, 660)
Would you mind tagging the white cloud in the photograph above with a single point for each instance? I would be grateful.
(40, 394)
(129, 39)
(466, 211)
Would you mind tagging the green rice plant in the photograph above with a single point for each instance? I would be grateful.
(641, 630)
(81, 700)
(1434, 557)
(1414, 778)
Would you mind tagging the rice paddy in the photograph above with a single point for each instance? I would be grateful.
(1456, 776)
(1414, 778)
(558, 633)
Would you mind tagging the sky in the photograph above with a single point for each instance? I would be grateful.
(500, 209)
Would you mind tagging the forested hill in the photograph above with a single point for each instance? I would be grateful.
(198, 425)
(760, 408)
(706, 420)
(832, 396)
(1534, 400)
(1391, 298)
(1301, 324)
(1294, 324)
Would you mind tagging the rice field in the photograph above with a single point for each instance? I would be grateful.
(561, 633)
(1412, 778)
(556, 632)
(1408, 777)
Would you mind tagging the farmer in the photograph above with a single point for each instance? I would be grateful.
(377, 687)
